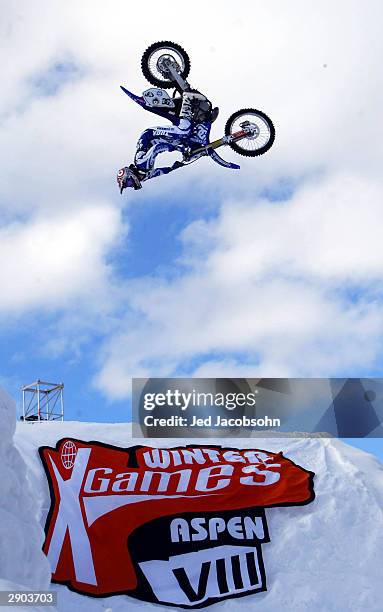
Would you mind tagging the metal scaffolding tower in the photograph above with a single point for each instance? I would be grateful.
(43, 401)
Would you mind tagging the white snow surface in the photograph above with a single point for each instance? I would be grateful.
(326, 556)
(22, 561)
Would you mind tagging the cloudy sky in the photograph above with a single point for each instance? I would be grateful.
(275, 270)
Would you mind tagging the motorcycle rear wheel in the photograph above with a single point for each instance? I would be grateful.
(154, 52)
(262, 138)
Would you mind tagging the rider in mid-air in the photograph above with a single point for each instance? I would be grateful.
(160, 139)
(166, 65)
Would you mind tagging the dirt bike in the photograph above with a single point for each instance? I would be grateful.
(166, 65)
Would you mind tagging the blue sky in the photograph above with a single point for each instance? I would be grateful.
(275, 270)
(22, 348)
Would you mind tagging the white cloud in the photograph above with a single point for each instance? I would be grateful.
(50, 261)
(293, 287)
(330, 230)
(326, 117)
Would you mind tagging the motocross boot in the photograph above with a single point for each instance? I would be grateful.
(137, 175)
(214, 114)
(186, 111)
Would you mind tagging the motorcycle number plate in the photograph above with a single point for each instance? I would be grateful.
(158, 98)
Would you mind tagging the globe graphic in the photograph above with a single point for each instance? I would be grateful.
(68, 454)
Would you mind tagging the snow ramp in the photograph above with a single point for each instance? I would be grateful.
(326, 556)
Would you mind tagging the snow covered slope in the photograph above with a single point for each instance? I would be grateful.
(22, 563)
(327, 556)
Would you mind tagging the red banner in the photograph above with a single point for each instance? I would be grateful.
(102, 495)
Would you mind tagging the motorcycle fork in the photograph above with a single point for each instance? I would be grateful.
(182, 83)
(222, 141)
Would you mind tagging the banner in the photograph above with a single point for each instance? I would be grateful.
(181, 526)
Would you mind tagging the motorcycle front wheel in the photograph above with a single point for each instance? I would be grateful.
(150, 64)
(260, 132)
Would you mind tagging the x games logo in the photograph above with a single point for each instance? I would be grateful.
(181, 526)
